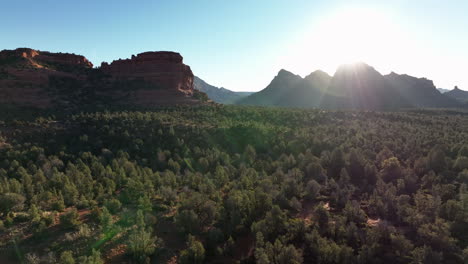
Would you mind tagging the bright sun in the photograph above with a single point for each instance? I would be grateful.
(347, 36)
(355, 35)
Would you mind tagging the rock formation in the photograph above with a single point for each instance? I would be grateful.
(161, 69)
(25, 75)
(43, 79)
(37, 58)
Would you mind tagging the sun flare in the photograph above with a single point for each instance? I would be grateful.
(357, 34)
(347, 36)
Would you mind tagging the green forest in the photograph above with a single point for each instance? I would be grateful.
(234, 184)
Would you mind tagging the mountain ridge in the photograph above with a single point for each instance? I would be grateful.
(353, 86)
(218, 94)
(458, 94)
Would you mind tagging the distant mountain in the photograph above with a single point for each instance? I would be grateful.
(353, 86)
(360, 86)
(419, 92)
(458, 94)
(290, 90)
(275, 91)
(309, 91)
(219, 95)
(442, 90)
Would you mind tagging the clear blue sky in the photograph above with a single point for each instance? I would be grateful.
(241, 44)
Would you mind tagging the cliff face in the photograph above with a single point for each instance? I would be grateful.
(25, 75)
(43, 79)
(162, 69)
(38, 58)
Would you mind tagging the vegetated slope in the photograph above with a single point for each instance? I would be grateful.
(227, 184)
(219, 95)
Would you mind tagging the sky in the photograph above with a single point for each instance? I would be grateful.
(241, 45)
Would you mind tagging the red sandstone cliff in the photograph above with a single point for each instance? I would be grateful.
(25, 74)
(41, 79)
(165, 70)
(39, 58)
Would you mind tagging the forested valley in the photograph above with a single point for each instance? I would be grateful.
(232, 184)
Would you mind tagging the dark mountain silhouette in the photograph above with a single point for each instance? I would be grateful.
(420, 92)
(458, 94)
(360, 86)
(353, 86)
(290, 90)
(309, 91)
(219, 95)
(275, 92)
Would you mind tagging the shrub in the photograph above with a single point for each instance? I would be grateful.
(11, 202)
(70, 219)
(113, 205)
(67, 257)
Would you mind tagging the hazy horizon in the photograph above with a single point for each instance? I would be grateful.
(241, 46)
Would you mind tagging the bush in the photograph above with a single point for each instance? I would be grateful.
(95, 258)
(70, 219)
(49, 219)
(113, 205)
(32, 258)
(195, 253)
(8, 220)
(11, 202)
(67, 257)
(141, 244)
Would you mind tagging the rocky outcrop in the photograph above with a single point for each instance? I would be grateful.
(163, 70)
(44, 79)
(41, 59)
(25, 75)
